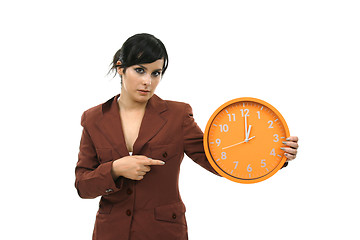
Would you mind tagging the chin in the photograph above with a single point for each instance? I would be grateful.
(143, 99)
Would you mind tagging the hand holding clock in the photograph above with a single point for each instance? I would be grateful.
(234, 151)
(291, 150)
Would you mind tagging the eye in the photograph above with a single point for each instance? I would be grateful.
(156, 74)
(139, 70)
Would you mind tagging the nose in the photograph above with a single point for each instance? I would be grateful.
(147, 80)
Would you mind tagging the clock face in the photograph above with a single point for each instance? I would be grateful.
(242, 140)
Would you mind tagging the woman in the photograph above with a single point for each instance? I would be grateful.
(132, 147)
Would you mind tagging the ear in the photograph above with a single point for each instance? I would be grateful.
(119, 70)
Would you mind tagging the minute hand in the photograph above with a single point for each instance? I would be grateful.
(246, 131)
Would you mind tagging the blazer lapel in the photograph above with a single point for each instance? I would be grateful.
(152, 122)
(110, 125)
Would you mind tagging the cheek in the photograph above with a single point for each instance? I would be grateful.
(155, 83)
(129, 80)
(128, 85)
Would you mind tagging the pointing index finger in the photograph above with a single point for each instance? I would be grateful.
(151, 161)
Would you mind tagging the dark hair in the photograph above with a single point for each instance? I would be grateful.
(138, 49)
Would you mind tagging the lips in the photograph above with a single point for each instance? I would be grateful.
(142, 91)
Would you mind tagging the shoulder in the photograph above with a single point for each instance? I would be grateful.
(95, 112)
(181, 109)
(178, 107)
(169, 105)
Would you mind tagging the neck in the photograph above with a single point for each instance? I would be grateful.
(127, 104)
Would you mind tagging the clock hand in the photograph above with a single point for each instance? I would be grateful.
(238, 143)
(251, 138)
(233, 145)
(248, 134)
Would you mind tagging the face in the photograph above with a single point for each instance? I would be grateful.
(140, 81)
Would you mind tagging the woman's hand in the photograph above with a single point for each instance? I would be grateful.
(133, 167)
(291, 150)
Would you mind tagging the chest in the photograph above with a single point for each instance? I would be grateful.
(131, 123)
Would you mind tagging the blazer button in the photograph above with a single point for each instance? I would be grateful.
(128, 212)
(109, 190)
(165, 154)
(129, 191)
(174, 216)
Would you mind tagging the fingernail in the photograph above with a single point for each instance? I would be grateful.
(163, 162)
(283, 149)
(286, 154)
(284, 142)
(288, 139)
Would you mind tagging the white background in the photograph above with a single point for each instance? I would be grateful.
(301, 56)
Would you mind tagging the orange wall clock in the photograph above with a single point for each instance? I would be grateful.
(242, 140)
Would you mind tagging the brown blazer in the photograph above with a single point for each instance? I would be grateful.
(149, 209)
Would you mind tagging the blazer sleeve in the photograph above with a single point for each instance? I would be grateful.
(92, 178)
(193, 141)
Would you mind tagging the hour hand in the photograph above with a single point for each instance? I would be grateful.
(248, 134)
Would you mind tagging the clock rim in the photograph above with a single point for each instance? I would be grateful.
(206, 141)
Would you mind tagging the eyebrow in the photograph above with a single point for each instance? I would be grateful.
(160, 69)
